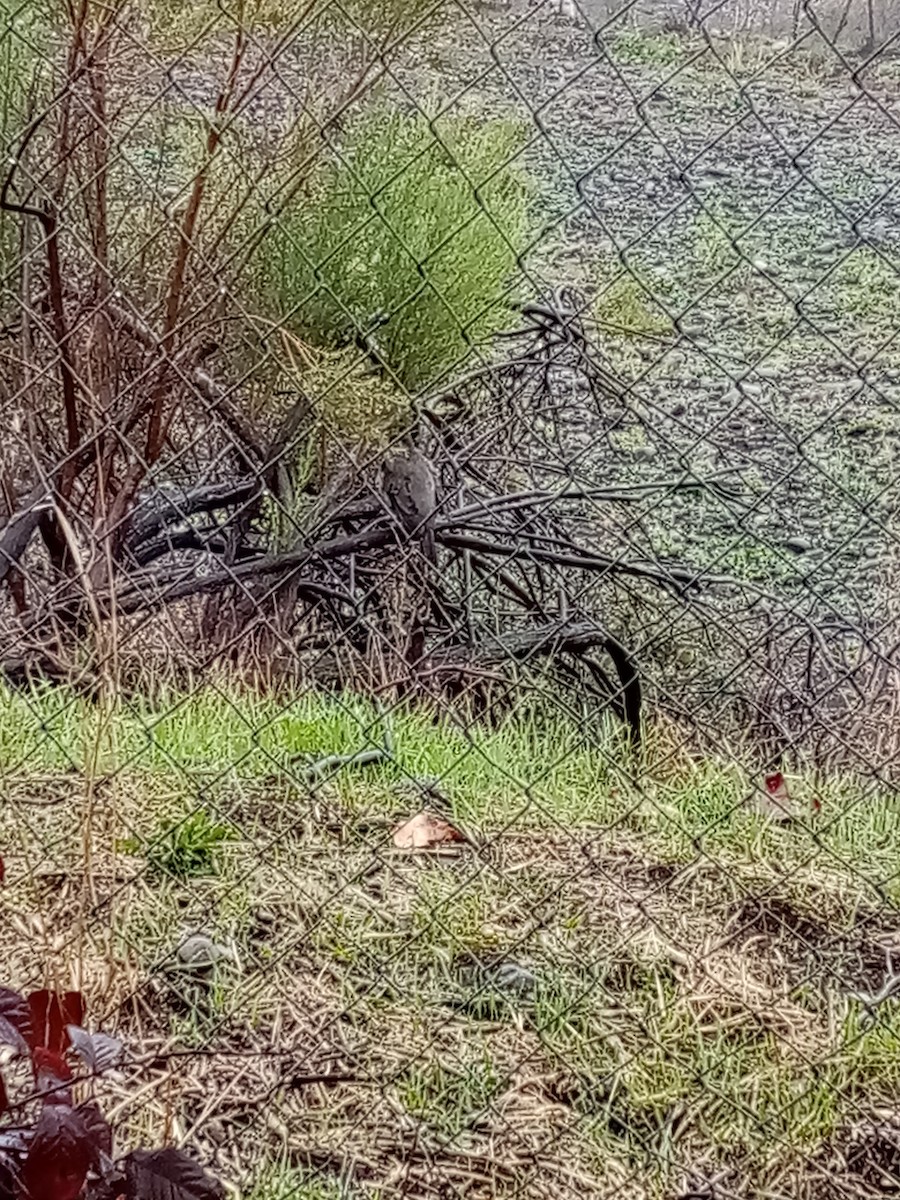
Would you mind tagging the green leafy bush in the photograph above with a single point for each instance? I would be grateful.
(424, 229)
(24, 28)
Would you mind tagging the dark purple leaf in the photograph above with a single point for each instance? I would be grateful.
(52, 1076)
(98, 1051)
(107, 1181)
(9, 1176)
(168, 1175)
(97, 1128)
(59, 1157)
(15, 1020)
(13, 1147)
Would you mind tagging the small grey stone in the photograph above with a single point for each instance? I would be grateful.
(800, 545)
(513, 977)
(198, 952)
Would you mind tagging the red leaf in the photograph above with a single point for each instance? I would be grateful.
(59, 1156)
(52, 1076)
(51, 1013)
(2, 870)
(168, 1175)
(15, 1020)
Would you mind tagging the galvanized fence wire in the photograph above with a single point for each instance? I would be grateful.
(449, 621)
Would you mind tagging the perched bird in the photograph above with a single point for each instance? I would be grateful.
(411, 492)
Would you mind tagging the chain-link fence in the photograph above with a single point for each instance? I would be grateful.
(449, 616)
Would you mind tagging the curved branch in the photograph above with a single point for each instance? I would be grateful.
(681, 577)
(548, 641)
(168, 586)
(20, 528)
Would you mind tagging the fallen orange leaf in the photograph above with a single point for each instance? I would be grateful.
(426, 831)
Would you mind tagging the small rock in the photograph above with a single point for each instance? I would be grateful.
(691, 327)
(513, 977)
(198, 952)
(799, 544)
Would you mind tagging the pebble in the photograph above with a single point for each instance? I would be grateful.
(800, 545)
(198, 952)
(513, 977)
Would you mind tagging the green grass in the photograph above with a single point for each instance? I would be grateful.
(626, 307)
(713, 246)
(864, 289)
(284, 1182)
(638, 48)
(671, 1014)
(419, 220)
(186, 847)
(535, 770)
(450, 1098)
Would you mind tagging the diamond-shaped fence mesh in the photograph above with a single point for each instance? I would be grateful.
(449, 599)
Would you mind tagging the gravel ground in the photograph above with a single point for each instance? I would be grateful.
(738, 208)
